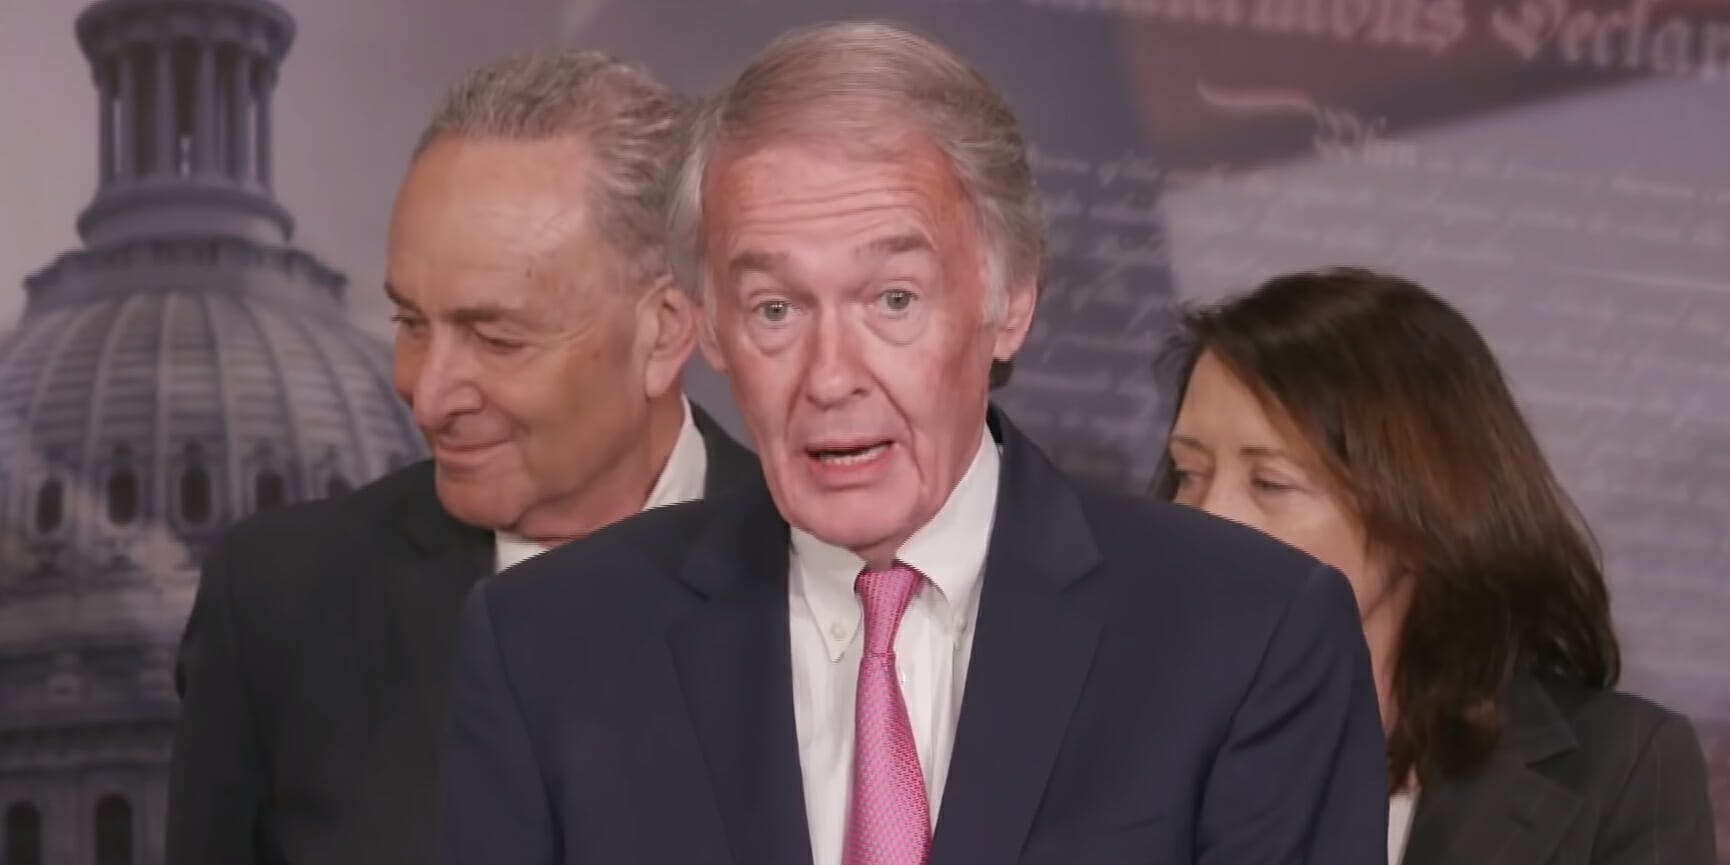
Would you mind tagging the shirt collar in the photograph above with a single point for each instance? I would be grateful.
(681, 480)
(949, 550)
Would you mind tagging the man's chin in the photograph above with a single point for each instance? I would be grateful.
(467, 504)
(862, 533)
(858, 518)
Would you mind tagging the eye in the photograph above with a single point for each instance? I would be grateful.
(1188, 485)
(406, 322)
(774, 311)
(1185, 478)
(491, 339)
(1266, 485)
(897, 300)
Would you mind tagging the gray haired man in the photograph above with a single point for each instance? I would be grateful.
(540, 339)
(917, 643)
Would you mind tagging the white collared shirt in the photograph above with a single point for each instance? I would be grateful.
(681, 480)
(1401, 806)
(932, 647)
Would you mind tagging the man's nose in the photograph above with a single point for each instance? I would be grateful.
(442, 383)
(834, 372)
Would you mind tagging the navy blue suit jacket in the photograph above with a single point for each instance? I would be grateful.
(1148, 685)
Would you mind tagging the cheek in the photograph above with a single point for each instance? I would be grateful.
(402, 379)
(764, 384)
(932, 405)
(551, 390)
(1369, 583)
(932, 378)
(405, 367)
(1334, 542)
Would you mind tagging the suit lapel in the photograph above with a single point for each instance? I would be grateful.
(1504, 813)
(427, 576)
(735, 671)
(729, 463)
(1035, 640)
(424, 595)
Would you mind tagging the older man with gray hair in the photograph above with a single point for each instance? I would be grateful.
(540, 340)
(916, 641)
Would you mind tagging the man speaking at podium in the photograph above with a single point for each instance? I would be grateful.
(917, 642)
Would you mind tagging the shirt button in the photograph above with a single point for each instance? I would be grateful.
(838, 631)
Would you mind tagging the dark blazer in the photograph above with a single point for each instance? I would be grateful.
(1148, 684)
(313, 672)
(1580, 777)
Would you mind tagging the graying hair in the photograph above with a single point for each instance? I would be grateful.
(844, 80)
(632, 123)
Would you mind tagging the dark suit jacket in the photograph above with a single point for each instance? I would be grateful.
(1580, 777)
(1148, 684)
(313, 673)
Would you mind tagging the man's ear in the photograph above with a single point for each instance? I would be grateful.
(667, 318)
(1011, 331)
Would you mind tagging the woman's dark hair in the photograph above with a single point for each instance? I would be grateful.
(1404, 404)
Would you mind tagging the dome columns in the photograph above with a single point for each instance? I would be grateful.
(184, 106)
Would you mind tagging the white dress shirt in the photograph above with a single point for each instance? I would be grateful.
(681, 480)
(932, 647)
(1400, 806)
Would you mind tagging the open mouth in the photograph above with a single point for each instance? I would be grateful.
(843, 457)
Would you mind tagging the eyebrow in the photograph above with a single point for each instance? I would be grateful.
(397, 298)
(753, 261)
(483, 313)
(480, 313)
(1265, 452)
(897, 244)
(1190, 442)
(756, 261)
(1262, 451)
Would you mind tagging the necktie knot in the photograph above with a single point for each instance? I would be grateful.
(885, 596)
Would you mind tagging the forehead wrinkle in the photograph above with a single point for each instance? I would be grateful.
(778, 209)
(876, 230)
(546, 231)
(790, 189)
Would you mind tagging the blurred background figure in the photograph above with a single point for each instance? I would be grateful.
(1360, 418)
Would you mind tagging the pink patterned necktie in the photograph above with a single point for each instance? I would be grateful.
(888, 819)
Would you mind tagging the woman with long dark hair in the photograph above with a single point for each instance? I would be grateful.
(1360, 418)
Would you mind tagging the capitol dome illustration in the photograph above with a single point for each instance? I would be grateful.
(187, 367)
